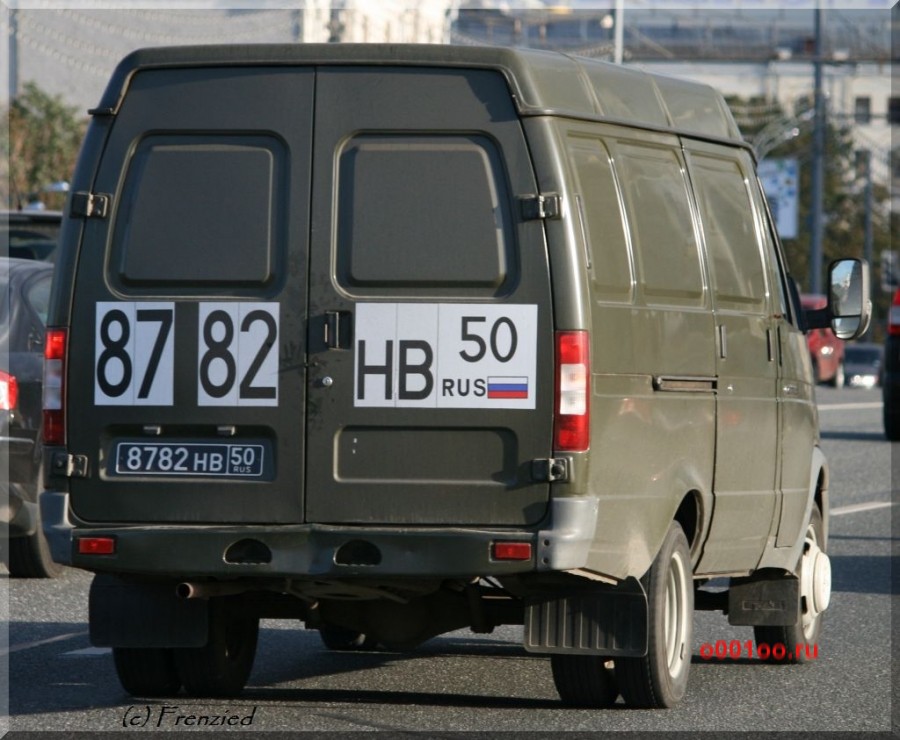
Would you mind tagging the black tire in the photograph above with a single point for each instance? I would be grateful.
(584, 680)
(338, 638)
(222, 667)
(801, 639)
(147, 671)
(659, 679)
(815, 371)
(29, 557)
(891, 425)
(839, 378)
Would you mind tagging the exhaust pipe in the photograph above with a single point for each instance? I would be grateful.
(188, 590)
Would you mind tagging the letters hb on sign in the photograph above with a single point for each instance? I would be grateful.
(445, 355)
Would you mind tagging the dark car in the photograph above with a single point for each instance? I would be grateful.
(30, 234)
(862, 365)
(25, 287)
(890, 383)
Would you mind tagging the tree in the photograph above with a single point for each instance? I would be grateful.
(843, 201)
(39, 146)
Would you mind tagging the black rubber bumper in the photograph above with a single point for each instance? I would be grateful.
(266, 551)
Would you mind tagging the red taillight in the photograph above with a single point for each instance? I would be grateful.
(894, 315)
(572, 418)
(511, 551)
(96, 546)
(9, 391)
(54, 387)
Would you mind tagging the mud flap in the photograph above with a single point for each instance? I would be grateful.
(764, 599)
(142, 615)
(603, 620)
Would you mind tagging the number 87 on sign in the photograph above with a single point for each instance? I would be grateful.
(134, 354)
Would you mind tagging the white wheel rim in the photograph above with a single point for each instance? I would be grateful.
(676, 617)
(809, 617)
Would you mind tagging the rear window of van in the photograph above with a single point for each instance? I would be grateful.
(208, 205)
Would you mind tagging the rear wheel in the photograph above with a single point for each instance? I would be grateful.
(800, 640)
(29, 557)
(891, 424)
(840, 377)
(584, 680)
(222, 667)
(338, 638)
(659, 679)
(147, 671)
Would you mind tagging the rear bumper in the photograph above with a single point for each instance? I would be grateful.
(322, 551)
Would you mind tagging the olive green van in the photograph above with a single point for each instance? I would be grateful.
(398, 340)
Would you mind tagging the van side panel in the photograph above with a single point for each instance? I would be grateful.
(653, 347)
(747, 412)
(798, 415)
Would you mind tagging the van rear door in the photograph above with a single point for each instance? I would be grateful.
(430, 322)
(187, 376)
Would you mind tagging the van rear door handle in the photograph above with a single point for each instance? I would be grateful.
(338, 329)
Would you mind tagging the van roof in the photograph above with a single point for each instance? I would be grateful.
(542, 82)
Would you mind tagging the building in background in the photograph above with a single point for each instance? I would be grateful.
(738, 47)
(72, 52)
(732, 45)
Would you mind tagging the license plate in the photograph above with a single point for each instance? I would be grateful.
(195, 459)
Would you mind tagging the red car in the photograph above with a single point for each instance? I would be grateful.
(825, 350)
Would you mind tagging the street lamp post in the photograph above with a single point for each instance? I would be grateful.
(779, 131)
(818, 167)
(620, 31)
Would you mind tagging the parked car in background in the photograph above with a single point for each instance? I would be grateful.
(825, 349)
(25, 290)
(862, 365)
(31, 234)
(890, 376)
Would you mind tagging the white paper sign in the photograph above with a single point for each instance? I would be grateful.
(237, 360)
(134, 354)
(445, 355)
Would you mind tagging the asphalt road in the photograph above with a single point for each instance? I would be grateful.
(58, 682)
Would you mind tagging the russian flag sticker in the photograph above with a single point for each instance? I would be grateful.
(500, 387)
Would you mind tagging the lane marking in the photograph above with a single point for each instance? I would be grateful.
(89, 651)
(849, 406)
(854, 508)
(40, 643)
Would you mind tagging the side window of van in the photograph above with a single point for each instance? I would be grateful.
(781, 300)
(661, 225)
(601, 213)
(423, 212)
(729, 228)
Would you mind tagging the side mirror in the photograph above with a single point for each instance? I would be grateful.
(849, 305)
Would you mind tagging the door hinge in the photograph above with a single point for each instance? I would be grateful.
(89, 205)
(550, 470)
(71, 466)
(544, 205)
